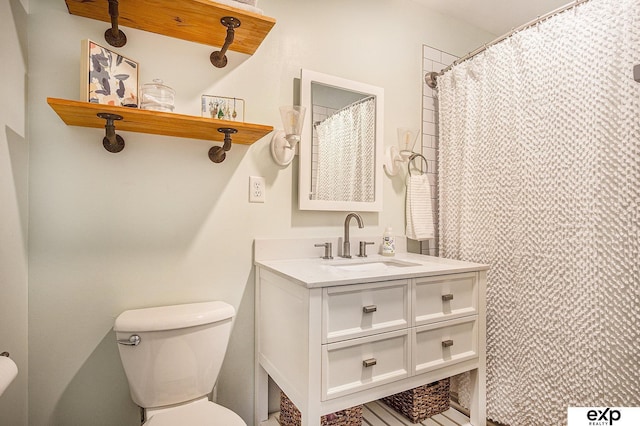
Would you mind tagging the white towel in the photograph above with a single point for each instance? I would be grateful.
(253, 3)
(243, 4)
(419, 211)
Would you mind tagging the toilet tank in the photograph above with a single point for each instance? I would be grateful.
(180, 351)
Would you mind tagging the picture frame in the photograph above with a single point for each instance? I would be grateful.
(106, 77)
(222, 108)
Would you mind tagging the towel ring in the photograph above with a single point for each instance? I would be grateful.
(413, 157)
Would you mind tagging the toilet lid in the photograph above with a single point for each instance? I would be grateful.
(208, 414)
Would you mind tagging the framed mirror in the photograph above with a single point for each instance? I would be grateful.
(341, 145)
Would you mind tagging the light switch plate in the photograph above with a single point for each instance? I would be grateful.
(257, 189)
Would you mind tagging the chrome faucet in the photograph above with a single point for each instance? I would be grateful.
(346, 250)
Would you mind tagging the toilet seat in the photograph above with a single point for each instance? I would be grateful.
(205, 414)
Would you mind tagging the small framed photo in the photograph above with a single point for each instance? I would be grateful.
(106, 77)
(223, 108)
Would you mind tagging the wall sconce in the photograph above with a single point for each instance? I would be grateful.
(396, 157)
(283, 142)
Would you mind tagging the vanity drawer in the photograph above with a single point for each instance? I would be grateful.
(444, 343)
(363, 363)
(364, 309)
(445, 297)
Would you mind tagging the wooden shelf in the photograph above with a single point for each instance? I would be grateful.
(76, 113)
(191, 20)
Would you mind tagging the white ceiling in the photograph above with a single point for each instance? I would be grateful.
(495, 16)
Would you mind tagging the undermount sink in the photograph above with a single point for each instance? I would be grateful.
(373, 265)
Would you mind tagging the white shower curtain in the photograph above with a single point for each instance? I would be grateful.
(346, 154)
(539, 176)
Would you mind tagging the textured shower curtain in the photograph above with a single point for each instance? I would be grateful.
(539, 176)
(346, 154)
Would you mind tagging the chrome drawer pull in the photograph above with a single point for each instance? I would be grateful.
(447, 343)
(133, 340)
(447, 297)
(369, 362)
(369, 309)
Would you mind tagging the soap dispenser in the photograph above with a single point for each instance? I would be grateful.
(388, 242)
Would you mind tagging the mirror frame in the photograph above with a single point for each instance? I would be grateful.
(307, 77)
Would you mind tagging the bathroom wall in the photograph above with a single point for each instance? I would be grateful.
(14, 159)
(432, 60)
(159, 223)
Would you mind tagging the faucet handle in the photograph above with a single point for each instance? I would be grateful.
(363, 248)
(327, 250)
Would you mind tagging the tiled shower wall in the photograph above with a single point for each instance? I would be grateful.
(432, 60)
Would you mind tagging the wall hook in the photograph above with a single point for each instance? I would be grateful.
(114, 36)
(217, 154)
(111, 142)
(219, 59)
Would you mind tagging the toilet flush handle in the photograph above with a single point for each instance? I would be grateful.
(133, 340)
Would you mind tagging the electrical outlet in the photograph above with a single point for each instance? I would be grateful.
(257, 189)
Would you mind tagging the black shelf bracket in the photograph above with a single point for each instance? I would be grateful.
(112, 142)
(219, 59)
(114, 36)
(217, 154)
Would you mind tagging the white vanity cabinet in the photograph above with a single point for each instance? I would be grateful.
(359, 310)
(342, 339)
(365, 336)
(445, 320)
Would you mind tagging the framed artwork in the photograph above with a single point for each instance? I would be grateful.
(223, 108)
(106, 77)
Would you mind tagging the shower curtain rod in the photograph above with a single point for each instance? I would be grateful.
(431, 77)
(359, 101)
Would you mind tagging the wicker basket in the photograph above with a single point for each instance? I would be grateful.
(290, 416)
(422, 402)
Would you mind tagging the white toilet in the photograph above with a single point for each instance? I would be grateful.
(172, 356)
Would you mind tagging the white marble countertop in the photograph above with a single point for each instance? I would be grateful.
(317, 272)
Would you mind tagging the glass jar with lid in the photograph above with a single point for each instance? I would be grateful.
(157, 96)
